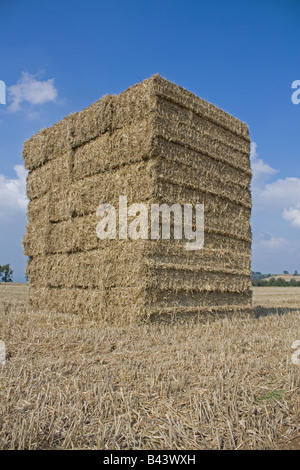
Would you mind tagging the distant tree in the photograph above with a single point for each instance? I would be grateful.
(280, 282)
(6, 273)
(285, 272)
(296, 273)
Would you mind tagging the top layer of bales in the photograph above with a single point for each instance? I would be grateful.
(113, 112)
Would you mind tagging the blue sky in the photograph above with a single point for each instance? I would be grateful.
(58, 57)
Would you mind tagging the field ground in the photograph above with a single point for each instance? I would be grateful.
(73, 382)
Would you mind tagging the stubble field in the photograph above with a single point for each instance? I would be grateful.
(71, 382)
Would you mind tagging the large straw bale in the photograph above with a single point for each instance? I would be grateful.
(106, 115)
(231, 255)
(109, 151)
(34, 240)
(84, 196)
(49, 143)
(113, 304)
(136, 181)
(54, 173)
(202, 164)
(91, 269)
(176, 94)
(204, 179)
(105, 267)
(185, 121)
(154, 143)
(110, 305)
(220, 150)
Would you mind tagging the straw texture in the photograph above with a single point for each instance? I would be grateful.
(154, 143)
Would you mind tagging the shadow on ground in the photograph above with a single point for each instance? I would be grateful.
(266, 311)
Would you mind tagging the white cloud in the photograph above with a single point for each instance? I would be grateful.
(275, 216)
(261, 170)
(279, 196)
(29, 89)
(13, 193)
(273, 243)
(293, 215)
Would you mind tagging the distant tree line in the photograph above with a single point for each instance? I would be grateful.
(6, 273)
(273, 282)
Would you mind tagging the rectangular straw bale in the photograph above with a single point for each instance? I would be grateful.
(193, 299)
(176, 94)
(37, 211)
(182, 118)
(154, 143)
(84, 196)
(34, 240)
(92, 269)
(180, 279)
(77, 234)
(221, 258)
(161, 313)
(183, 175)
(135, 181)
(202, 142)
(109, 151)
(54, 173)
(93, 302)
(49, 143)
(202, 163)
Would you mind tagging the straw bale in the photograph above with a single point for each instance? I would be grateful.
(154, 143)
(93, 121)
(183, 119)
(78, 234)
(198, 280)
(183, 175)
(219, 252)
(109, 151)
(108, 266)
(221, 215)
(202, 142)
(186, 298)
(202, 164)
(59, 204)
(34, 240)
(37, 210)
(159, 313)
(179, 95)
(54, 173)
(113, 304)
(48, 143)
(110, 305)
(136, 181)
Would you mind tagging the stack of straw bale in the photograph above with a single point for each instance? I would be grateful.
(154, 143)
